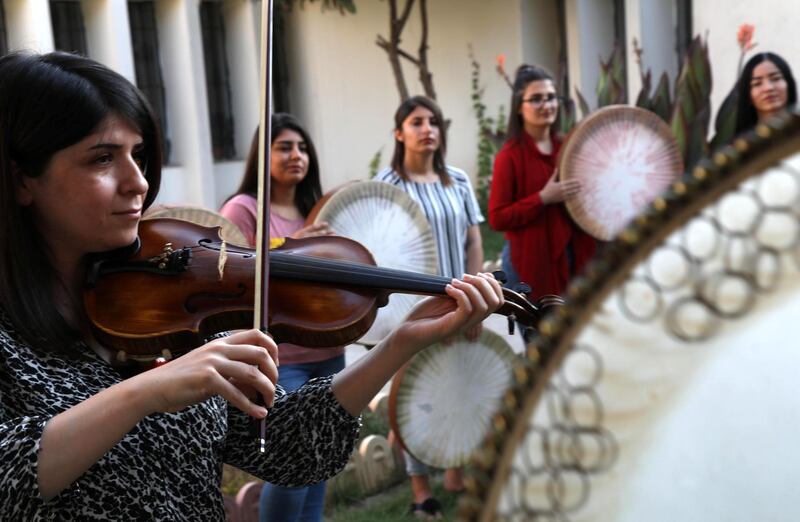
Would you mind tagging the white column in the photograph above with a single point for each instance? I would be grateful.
(181, 49)
(633, 29)
(590, 37)
(539, 34)
(28, 25)
(653, 24)
(108, 35)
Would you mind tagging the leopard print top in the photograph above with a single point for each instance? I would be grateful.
(169, 466)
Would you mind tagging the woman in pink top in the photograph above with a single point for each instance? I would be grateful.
(295, 188)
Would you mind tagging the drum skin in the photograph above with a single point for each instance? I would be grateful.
(394, 229)
(441, 403)
(624, 158)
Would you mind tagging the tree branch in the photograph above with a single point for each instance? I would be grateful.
(392, 45)
(425, 75)
(401, 23)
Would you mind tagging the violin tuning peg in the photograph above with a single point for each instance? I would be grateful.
(500, 276)
(522, 288)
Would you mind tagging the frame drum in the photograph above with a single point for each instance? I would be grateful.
(393, 228)
(666, 388)
(441, 403)
(624, 158)
(201, 216)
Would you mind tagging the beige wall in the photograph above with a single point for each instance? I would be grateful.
(343, 88)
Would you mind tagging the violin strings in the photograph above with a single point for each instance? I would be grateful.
(299, 266)
(310, 268)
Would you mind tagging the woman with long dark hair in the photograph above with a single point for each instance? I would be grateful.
(79, 163)
(765, 88)
(526, 198)
(295, 184)
(445, 195)
(295, 188)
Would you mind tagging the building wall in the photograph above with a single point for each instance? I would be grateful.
(590, 38)
(341, 82)
(343, 89)
(192, 176)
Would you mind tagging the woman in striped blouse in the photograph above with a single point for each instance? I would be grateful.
(445, 195)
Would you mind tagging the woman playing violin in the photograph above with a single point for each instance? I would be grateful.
(80, 162)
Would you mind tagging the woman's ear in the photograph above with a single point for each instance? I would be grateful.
(22, 188)
(398, 135)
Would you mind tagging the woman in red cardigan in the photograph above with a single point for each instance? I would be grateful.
(526, 198)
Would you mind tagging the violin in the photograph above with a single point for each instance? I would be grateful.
(180, 284)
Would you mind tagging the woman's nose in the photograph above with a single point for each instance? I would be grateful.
(134, 179)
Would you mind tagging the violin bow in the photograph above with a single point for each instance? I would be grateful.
(261, 311)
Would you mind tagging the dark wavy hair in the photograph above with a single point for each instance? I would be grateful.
(525, 75)
(400, 115)
(746, 115)
(49, 102)
(308, 191)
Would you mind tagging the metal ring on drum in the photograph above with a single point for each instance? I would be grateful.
(685, 405)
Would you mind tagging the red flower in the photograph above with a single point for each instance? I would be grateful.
(501, 61)
(745, 36)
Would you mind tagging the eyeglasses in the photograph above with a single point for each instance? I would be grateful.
(537, 100)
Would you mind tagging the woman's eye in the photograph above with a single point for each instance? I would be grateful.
(140, 160)
(105, 159)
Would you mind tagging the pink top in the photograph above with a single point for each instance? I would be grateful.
(242, 210)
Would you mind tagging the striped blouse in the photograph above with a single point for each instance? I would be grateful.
(450, 211)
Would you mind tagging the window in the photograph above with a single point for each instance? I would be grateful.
(280, 63)
(621, 39)
(68, 32)
(220, 108)
(683, 28)
(3, 35)
(144, 37)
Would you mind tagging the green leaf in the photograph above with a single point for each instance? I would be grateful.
(725, 122)
(661, 103)
(643, 99)
(566, 116)
(582, 103)
(680, 130)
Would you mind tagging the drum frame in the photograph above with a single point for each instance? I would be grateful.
(749, 155)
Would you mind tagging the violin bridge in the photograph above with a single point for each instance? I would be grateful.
(223, 258)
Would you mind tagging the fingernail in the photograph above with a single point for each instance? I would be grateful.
(262, 413)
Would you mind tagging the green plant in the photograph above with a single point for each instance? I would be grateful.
(491, 136)
(689, 112)
(725, 122)
(375, 163)
(343, 6)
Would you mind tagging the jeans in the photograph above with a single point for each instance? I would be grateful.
(512, 278)
(282, 504)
